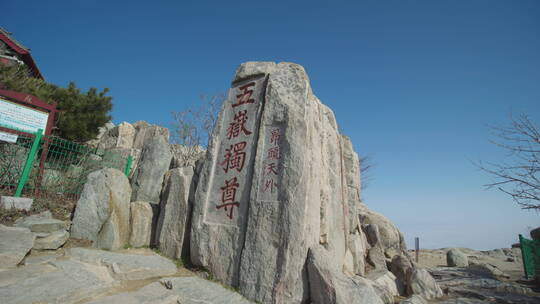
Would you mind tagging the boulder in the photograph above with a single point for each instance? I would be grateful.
(103, 211)
(41, 224)
(420, 282)
(489, 268)
(120, 136)
(18, 203)
(328, 285)
(175, 209)
(376, 258)
(145, 132)
(400, 267)
(125, 266)
(456, 258)
(389, 235)
(15, 243)
(53, 240)
(147, 179)
(141, 224)
(385, 285)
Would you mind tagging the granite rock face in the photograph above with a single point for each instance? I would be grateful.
(329, 285)
(175, 209)
(141, 224)
(15, 243)
(278, 179)
(102, 214)
(147, 179)
(420, 282)
(456, 258)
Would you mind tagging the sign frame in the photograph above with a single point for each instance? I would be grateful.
(33, 103)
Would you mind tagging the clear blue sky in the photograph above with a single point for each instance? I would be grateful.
(413, 83)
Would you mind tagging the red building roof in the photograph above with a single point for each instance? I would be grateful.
(23, 52)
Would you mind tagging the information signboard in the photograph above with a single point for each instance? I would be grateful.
(23, 118)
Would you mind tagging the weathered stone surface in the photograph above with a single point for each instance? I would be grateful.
(120, 136)
(58, 282)
(185, 290)
(146, 131)
(389, 235)
(125, 266)
(183, 156)
(298, 197)
(147, 179)
(175, 209)
(14, 245)
(217, 231)
(400, 267)
(52, 241)
(376, 258)
(141, 224)
(415, 299)
(329, 285)
(456, 258)
(491, 269)
(385, 285)
(18, 203)
(41, 224)
(372, 233)
(420, 282)
(472, 285)
(358, 247)
(103, 212)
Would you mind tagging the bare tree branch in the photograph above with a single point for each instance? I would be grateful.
(520, 177)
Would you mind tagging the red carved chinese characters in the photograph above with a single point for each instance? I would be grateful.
(275, 135)
(273, 153)
(228, 196)
(235, 157)
(244, 96)
(238, 125)
(271, 162)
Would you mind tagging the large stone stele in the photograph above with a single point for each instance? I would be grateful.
(103, 212)
(293, 187)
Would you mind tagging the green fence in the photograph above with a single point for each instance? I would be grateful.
(530, 251)
(37, 165)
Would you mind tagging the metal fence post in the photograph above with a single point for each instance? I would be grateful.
(128, 165)
(29, 162)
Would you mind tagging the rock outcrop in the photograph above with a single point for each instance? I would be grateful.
(147, 179)
(102, 214)
(278, 181)
(456, 258)
(141, 224)
(175, 209)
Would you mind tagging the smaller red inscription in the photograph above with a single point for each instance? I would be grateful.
(273, 153)
(269, 185)
(274, 136)
(271, 168)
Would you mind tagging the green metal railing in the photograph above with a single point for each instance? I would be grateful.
(530, 252)
(42, 165)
